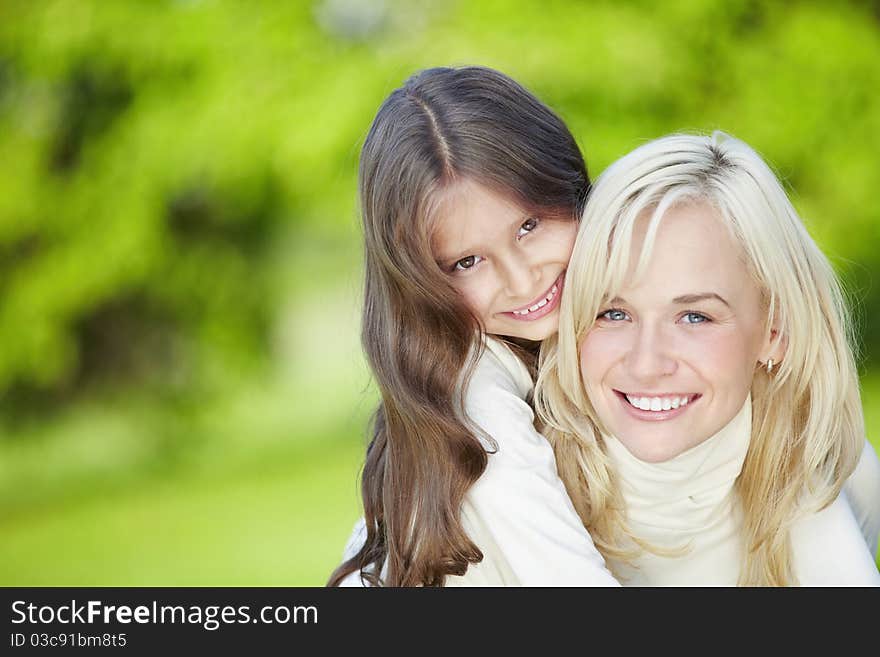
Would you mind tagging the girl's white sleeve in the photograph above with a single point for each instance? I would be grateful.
(354, 544)
(831, 542)
(863, 491)
(518, 512)
(831, 550)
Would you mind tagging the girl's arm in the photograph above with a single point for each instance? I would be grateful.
(830, 545)
(829, 549)
(518, 512)
(863, 491)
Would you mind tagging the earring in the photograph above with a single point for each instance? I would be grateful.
(769, 366)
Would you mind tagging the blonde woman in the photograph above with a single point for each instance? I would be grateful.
(701, 395)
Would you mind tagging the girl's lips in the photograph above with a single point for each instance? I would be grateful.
(655, 416)
(546, 309)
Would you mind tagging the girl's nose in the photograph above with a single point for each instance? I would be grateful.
(520, 278)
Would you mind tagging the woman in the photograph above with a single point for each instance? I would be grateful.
(701, 395)
(470, 190)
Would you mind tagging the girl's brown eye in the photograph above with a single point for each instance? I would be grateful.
(465, 263)
(527, 226)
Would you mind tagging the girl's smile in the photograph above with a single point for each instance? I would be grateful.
(545, 305)
(508, 266)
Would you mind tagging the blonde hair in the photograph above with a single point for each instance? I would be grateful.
(807, 426)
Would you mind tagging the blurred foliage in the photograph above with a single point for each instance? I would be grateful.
(178, 238)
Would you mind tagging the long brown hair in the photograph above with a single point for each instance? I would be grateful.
(442, 126)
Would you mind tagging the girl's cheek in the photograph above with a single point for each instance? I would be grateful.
(570, 239)
(560, 245)
(475, 297)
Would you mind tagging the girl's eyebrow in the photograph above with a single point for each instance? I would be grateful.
(451, 259)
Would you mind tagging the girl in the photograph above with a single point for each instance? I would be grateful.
(701, 395)
(470, 190)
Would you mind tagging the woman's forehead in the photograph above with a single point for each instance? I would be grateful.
(685, 250)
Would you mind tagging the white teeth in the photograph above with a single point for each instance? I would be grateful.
(640, 402)
(657, 403)
(543, 302)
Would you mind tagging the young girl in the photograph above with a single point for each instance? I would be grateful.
(701, 395)
(470, 191)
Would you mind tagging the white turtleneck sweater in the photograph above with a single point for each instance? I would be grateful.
(520, 516)
(689, 501)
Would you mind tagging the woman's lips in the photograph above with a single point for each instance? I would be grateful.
(657, 415)
(551, 297)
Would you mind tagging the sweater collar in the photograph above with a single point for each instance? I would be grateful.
(687, 491)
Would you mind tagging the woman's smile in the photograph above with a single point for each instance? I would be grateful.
(655, 407)
(669, 360)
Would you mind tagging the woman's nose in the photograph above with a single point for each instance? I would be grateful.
(650, 356)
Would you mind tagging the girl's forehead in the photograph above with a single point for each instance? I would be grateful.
(469, 213)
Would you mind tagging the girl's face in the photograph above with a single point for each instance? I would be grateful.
(669, 361)
(508, 266)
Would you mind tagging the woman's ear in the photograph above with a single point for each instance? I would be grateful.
(775, 346)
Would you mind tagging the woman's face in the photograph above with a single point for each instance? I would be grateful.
(507, 265)
(670, 361)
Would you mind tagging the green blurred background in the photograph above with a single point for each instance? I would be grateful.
(183, 399)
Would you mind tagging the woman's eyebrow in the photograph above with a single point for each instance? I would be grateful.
(694, 298)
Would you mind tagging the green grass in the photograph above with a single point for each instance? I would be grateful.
(254, 486)
(871, 407)
(283, 525)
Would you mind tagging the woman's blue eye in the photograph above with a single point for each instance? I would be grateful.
(527, 226)
(694, 318)
(466, 263)
(613, 315)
